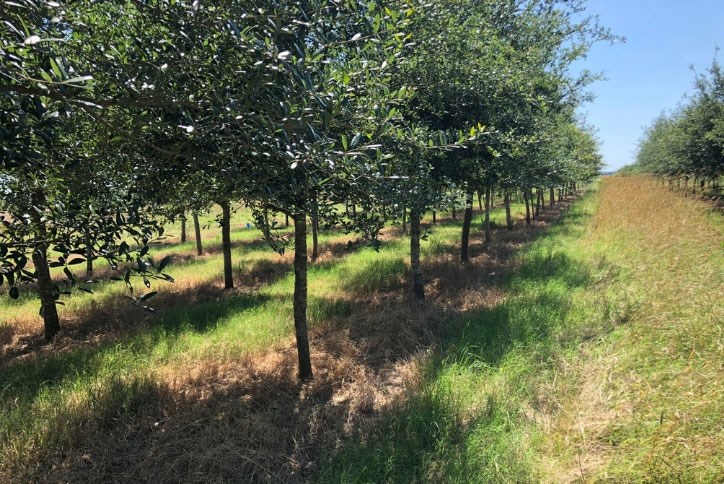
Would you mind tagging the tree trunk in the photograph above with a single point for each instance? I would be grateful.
(300, 297)
(552, 196)
(404, 220)
(537, 202)
(183, 228)
(286, 220)
(418, 285)
(467, 221)
(315, 231)
(226, 244)
(88, 258)
(542, 194)
(480, 201)
(434, 217)
(454, 212)
(48, 309)
(527, 206)
(197, 231)
(508, 216)
(487, 213)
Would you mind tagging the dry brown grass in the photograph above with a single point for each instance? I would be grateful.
(649, 402)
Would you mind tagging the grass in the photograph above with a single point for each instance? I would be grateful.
(470, 417)
(603, 362)
(558, 354)
(659, 378)
(98, 374)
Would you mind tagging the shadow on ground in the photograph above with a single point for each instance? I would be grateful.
(250, 420)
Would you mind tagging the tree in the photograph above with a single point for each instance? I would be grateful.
(56, 194)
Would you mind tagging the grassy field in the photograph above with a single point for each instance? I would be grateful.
(585, 347)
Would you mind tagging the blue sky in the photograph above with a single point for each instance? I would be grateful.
(650, 72)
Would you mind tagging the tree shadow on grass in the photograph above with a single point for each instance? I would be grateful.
(426, 437)
(81, 354)
(245, 421)
(249, 420)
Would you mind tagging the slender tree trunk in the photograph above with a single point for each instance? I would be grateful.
(404, 220)
(300, 297)
(226, 244)
(487, 213)
(48, 308)
(315, 231)
(354, 210)
(508, 216)
(183, 228)
(527, 206)
(537, 202)
(286, 220)
(492, 197)
(480, 201)
(434, 217)
(552, 196)
(454, 212)
(467, 221)
(542, 198)
(197, 232)
(418, 285)
(88, 258)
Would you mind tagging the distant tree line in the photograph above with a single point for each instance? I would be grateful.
(687, 145)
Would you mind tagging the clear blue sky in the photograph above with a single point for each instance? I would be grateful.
(649, 73)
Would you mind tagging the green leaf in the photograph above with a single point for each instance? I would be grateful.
(56, 68)
(356, 139)
(164, 262)
(78, 80)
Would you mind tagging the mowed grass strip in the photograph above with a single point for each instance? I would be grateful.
(650, 401)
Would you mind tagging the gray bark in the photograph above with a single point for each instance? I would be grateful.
(467, 221)
(300, 297)
(197, 231)
(508, 216)
(226, 244)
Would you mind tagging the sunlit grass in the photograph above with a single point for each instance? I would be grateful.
(602, 363)
(470, 418)
(53, 400)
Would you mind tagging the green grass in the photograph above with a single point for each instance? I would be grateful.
(51, 401)
(602, 363)
(509, 394)
(470, 418)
